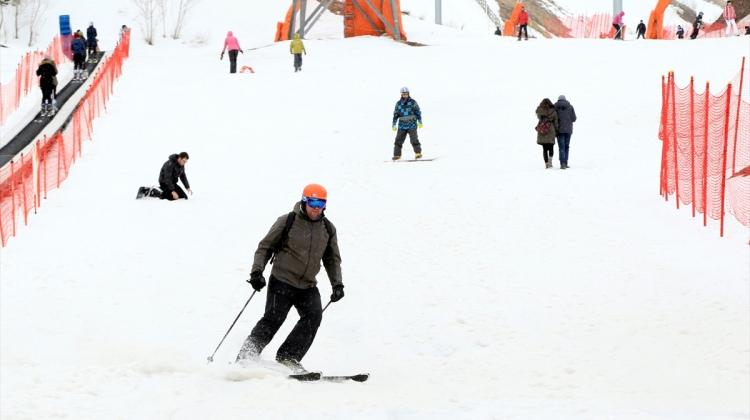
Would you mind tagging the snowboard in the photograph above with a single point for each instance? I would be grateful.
(413, 160)
(148, 192)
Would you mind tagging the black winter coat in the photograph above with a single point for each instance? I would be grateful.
(566, 116)
(641, 28)
(91, 35)
(171, 171)
(47, 72)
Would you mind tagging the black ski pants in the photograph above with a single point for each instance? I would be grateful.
(548, 151)
(47, 92)
(618, 31)
(523, 29)
(297, 61)
(280, 297)
(167, 195)
(78, 61)
(233, 61)
(401, 137)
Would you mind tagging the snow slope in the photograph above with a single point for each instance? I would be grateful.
(478, 286)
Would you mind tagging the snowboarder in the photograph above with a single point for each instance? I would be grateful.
(547, 129)
(617, 24)
(680, 32)
(641, 30)
(697, 25)
(297, 48)
(296, 245)
(566, 116)
(523, 23)
(233, 45)
(78, 46)
(172, 171)
(47, 72)
(730, 16)
(409, 118)
(92, 41)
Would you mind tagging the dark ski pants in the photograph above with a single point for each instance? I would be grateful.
(695, 33)
(401, 137)
(548, 151)
(298, 61)
(167, 195)
(47, 92)
(523, 29)
(618, 31)
(233, 61)
(641, 35)
(92, 49)
(280, 297)
(563, 144)
(78, 61)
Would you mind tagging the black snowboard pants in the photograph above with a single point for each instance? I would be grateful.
(280, 297)
(523, 29)
(167, 195)
(401, 137)
(233, 61)
(297, 61)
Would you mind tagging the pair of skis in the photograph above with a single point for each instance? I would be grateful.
(317, 376)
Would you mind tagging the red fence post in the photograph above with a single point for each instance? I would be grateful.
(13, 195)
(23, 192)
(692, 144)
(674, 145)
(737, 122)
(662, 174)
(705, 155)
(724, 156)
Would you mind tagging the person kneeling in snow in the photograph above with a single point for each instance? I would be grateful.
(295, 245)
(172, 171)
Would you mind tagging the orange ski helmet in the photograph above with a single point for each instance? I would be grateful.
(315, 191)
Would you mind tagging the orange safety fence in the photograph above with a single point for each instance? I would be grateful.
(706, 149)
(25, 180)
(25, 79)
(595, 26)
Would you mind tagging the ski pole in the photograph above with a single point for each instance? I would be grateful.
(326, 307)
(211, 357)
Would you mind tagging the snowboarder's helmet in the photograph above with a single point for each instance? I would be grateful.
(404, 90)
(315, 191)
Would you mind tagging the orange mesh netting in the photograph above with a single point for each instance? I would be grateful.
(45, 165)
(25, 79)
(706, 148)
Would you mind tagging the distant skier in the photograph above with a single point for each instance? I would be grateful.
(680, 32)
(296, 245)
(697, 25)
(92, 41)
(123, 30)
(747, 30)
(641, 30)
(297, 48)
(78, 46)
(47, 72)
(566, 116)
(498, 32)
(172, 171)
(409, 117)
(523, 23)
(546, 130)
(730, 16)
(617, 24)
(233, 45)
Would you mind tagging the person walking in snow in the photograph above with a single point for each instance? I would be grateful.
(92, 41)
(47, 72)
(566, 116)
(295, 245)
(641, 30)
(617, 24)
(172, 171)
(407, 117)
(546, 130)
(697, 25)
(233, 45)
(730, 16)
(78, 46)
(523, 23)
(297, 48)
(680, 32)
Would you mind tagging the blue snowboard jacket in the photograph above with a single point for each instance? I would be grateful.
(407, 114)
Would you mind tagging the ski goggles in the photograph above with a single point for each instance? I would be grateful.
(315, 203)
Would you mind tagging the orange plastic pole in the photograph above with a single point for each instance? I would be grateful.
(737, 121)
(674, 146)
(705, 155)
(13, 195)
(724, 157)
(23, 192)
(692, 144)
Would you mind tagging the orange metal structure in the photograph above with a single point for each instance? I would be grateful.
(655, 27)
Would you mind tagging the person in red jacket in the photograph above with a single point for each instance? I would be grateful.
(730, 16)
(523, 23)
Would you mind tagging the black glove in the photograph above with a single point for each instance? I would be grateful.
(257, 281)
(338, 293)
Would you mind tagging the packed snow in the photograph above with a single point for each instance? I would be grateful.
(480, 285)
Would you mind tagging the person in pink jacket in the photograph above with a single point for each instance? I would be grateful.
(731, 17)
(617, 24)
(233, 45)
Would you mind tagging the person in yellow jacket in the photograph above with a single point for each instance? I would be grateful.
(297, 48)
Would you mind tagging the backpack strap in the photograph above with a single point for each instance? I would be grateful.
(284, 236)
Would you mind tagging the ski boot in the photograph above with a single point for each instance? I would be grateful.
(43, 113)
(418, 155)
(293, 365)
(395, 158)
